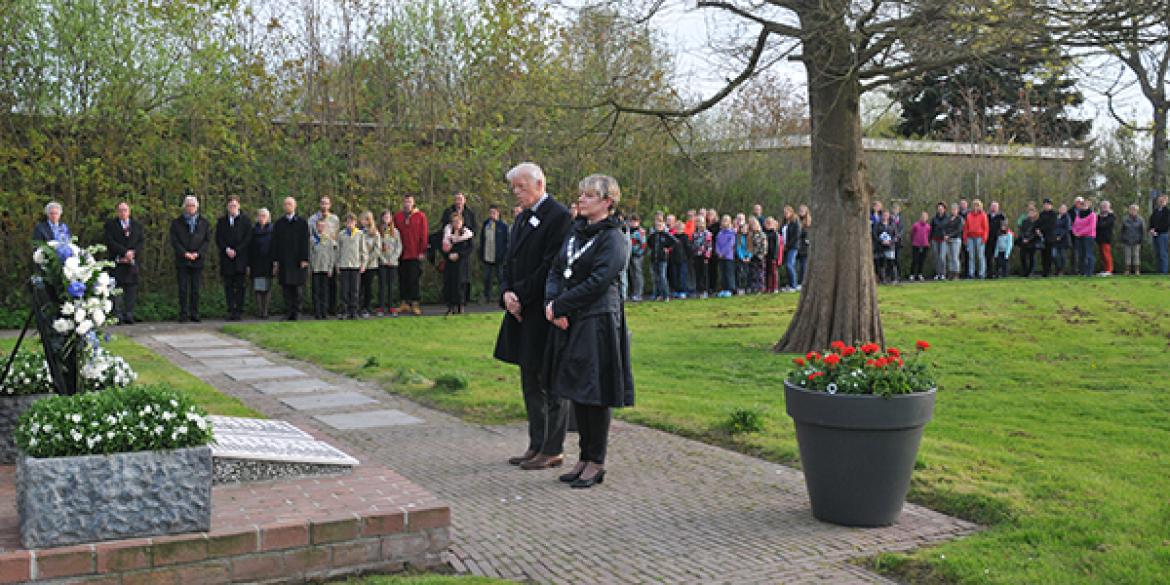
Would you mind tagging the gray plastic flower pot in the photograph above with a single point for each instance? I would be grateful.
(11, 407)
(858, 451)
(72, 500)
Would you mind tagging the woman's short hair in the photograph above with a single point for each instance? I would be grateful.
(603, 185)
(190, 199)
(51, 206)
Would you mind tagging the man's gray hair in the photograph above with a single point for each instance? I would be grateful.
(263, 211)
(190, 199)
(53, 205)
(526, 169)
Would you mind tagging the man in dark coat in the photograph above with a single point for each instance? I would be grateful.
(290, 255)
(233, 234)
(124, 237)
(537, 236)
(995, 220)
(493, 247)
(1045, 227)
(190, 235)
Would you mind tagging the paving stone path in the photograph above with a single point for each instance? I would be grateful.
(671, 510)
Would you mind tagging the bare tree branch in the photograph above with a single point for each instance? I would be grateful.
(769, 25)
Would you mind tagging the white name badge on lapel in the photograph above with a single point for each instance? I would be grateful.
(534, 221)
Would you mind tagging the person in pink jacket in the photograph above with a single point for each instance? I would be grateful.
(1084, 231)
(920, 242)
(975, 233)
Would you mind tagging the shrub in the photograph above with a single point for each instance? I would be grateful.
(863, 369)
(745, 420)
(371, 362)
(29, 375)
(451, 382)
(103, 370)
(120, 420)
(410, 377)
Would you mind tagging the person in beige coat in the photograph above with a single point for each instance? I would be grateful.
(372, 246)
(322, 265)
(388, 265)
(352, 257)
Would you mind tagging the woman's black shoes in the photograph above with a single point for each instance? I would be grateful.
(597, 478)
(572, 476)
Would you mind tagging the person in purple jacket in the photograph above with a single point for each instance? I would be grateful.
(725, 251)
(920, 242)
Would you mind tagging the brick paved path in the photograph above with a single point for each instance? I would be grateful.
(671, 510)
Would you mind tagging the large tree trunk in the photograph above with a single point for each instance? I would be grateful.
(1160, 146)
(838, 299)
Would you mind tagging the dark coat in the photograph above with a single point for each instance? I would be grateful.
(1046, 224)
(589, 363)
(183, 240)
(260, 251)
(501, 241)
(457, 274)
(119, 241)
(290, 247)
(1105, 224)
(531, 249)
(42, 232)
(238, 238)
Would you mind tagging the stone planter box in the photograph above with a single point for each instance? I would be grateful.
(71, 500)
(11, 407)
(857, 451)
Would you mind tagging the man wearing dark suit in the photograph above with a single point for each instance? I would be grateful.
(290, 254)
(537, 236)
(124, 237)
(52, 228)
(190, 235)
(233, 234)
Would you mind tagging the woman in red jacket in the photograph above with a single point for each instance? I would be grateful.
(975, 232)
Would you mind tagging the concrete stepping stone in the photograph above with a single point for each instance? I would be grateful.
(249, 374)
(369, 419)
(235, 362)
(297, 386)
(217, 352)
(322, 401)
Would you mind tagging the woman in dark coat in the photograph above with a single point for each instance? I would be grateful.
(458, 245)
(260, 260)
(588, 357)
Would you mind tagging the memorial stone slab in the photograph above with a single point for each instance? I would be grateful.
(237, 425)
(249, 374)
(368, 420)
(297, 386)
(278, 448)
(235, 362)
(322, 401)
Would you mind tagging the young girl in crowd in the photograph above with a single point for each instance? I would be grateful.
(725, 250)
(743, 257)
(1003, 249)
(659, 243)
(680, 259)
(351, 260)
(884, 235)
(758, 247)
(920, 242)
(805, 217)
(794, 237)
(372, 244)
(388, 265)
(701, 246)
(774, 257)
(458, 245)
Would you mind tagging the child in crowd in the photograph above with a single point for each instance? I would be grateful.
(725, 250)
(702, 244)
(758, 245)
(372, 246)
(680, 259)
(388, 265)
(322, 263)
(659, 244)
(637, 252)
(458, 246)
(920, 242)
(1003, 249)
(351, 261)
(774, 256)
(884, 235)
(743, 257)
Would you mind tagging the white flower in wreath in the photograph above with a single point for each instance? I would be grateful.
(79, 315)
(39, 257)
(104, 280)
(54, 243)
(84, 327)
(62, 326)
(67, 308)
(107, 306)
(99, 317)
(76, 250)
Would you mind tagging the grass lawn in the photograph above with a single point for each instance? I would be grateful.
(1052, 424)
(153, 369)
